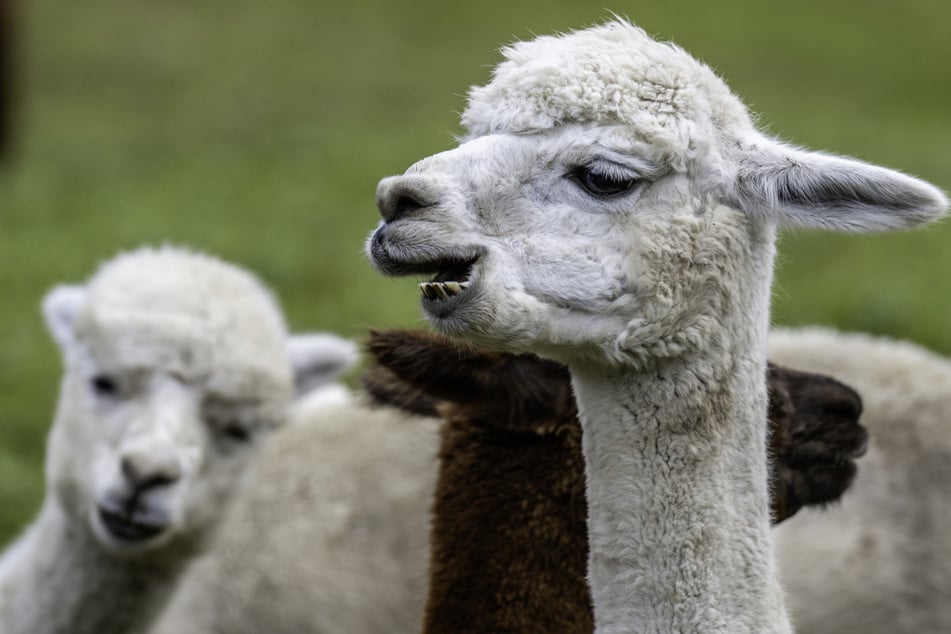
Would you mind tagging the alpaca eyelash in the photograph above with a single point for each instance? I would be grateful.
(604, 179)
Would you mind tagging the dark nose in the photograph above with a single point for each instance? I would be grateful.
(398, 196)
(147, 471)
(394, 208)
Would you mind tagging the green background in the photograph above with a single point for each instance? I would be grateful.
(258, 130)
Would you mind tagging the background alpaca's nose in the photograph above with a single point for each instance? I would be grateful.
(146, 470)
(398, 196)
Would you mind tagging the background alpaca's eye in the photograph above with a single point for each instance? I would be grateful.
(604, 183)
(104, 385)
(236, 433)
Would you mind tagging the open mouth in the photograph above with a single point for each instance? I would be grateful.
(451, 273)
(127, 527)
(452, 279)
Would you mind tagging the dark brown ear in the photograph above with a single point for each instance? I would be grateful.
(385, 388)
(428, 362)
(522, 385)
(814, 440)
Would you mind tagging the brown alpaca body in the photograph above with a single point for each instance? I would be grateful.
(509, 537)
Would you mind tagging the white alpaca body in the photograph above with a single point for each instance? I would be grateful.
(176, 365)
(330, 535)
(880, 561)
(614, 208)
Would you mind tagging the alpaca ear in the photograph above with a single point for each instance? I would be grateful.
(61, 307)
(811, 189)
(318, 359)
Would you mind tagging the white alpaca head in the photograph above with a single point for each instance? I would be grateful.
(610, 197)
(176, 365)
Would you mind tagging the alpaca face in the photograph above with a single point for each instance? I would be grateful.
(557, 240)
(148, 454)
(176, 365)
(614, 200)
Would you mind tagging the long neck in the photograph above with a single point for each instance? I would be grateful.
(675, 465)
(58, 580)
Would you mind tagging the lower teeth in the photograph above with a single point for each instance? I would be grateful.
(442, 290)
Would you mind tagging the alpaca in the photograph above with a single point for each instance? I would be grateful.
(329, 535)
(881, 561)
(508, 544)
(613, 207)
(176, 367)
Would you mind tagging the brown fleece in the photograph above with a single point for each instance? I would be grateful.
(509, 540)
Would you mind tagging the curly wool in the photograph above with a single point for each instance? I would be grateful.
(612, 73)
(175, 299)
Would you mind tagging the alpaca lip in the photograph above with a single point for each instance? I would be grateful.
(398, 258)
(451, 271)
(128, 527)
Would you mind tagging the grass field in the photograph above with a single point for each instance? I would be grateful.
(258, 130)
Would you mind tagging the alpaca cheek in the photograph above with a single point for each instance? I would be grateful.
(94, 474)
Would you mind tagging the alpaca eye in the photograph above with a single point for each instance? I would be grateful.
(602, 183)
(104, 385)
(236, 433)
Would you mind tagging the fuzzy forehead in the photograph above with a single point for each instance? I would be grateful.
(174, 297)
(613, 73)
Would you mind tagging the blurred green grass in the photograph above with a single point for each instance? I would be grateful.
(257, 131)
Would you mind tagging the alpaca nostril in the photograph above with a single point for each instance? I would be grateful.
(406, 203)
(400, 206)
(400, 202)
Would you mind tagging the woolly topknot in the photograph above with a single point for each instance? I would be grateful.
(612, 73)
(154, 294)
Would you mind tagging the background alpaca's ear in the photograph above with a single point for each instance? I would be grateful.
(810, 189)
(319, 358)
(61, 307)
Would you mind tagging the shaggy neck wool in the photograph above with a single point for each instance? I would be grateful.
(675, 463)
(71, 586)
(668, 555)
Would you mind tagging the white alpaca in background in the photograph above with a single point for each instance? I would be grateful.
(614, 207)
(177, 365)
(879, 562)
